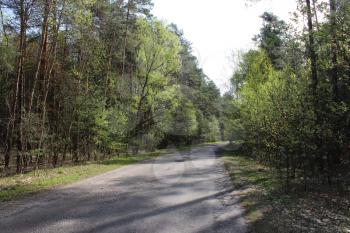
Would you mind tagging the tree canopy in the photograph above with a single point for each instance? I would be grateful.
(290, 103)
(82, 80)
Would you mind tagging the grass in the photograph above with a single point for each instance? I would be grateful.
(254, 181)
(270, 207)
(23, 185)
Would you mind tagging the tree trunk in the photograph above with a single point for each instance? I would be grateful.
(42, 70)
(334, 71)
(16, 119)
(315, 10)
(313, 55)
(43, 50)
(126, 35)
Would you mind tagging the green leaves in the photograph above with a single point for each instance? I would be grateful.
(283, 117)
(158, 50)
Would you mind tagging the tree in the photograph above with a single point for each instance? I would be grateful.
(311, 45)
(298, 128)
(272, 38)
(87, 79)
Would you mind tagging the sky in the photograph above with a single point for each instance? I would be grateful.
(219, 29)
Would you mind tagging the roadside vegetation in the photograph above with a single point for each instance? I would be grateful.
(270, 206)
(22, 185)
(289, 107)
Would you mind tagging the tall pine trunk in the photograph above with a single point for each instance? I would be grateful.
(312, 51)
(16, 113)
(333, 25)
(42, 71)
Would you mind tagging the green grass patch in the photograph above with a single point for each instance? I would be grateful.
(22, 185)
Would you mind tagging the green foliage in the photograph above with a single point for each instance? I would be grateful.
(211, 130)
(279, 114)
(6, 59)
(158, 54)
(184, 121)
(84, 79)
(272, 38)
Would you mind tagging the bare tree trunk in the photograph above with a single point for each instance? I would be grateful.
(48, 72)
(42, 70)
(8, 145)
(313, 55)
(109, 64)
(126, 34)
(43, 50)
(315, 10)
(334, 71)
(16, 117)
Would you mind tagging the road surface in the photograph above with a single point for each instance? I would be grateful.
(181, 192)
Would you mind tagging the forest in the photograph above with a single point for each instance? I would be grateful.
(290, 97)
(85, 80)
(90, 86)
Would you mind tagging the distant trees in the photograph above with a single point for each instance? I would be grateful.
(80, 80)
(292, 108)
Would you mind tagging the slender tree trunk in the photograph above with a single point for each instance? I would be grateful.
(64, 154)
(8, 146)
(109, 64)
(315, 10)
(16, 118)
(42, 71)
(48, 72)
(288, 165)
(43, 50)
(312, 51)
(334, 71)
(126, 35)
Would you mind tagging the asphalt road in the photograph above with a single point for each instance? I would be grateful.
(181, 192)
